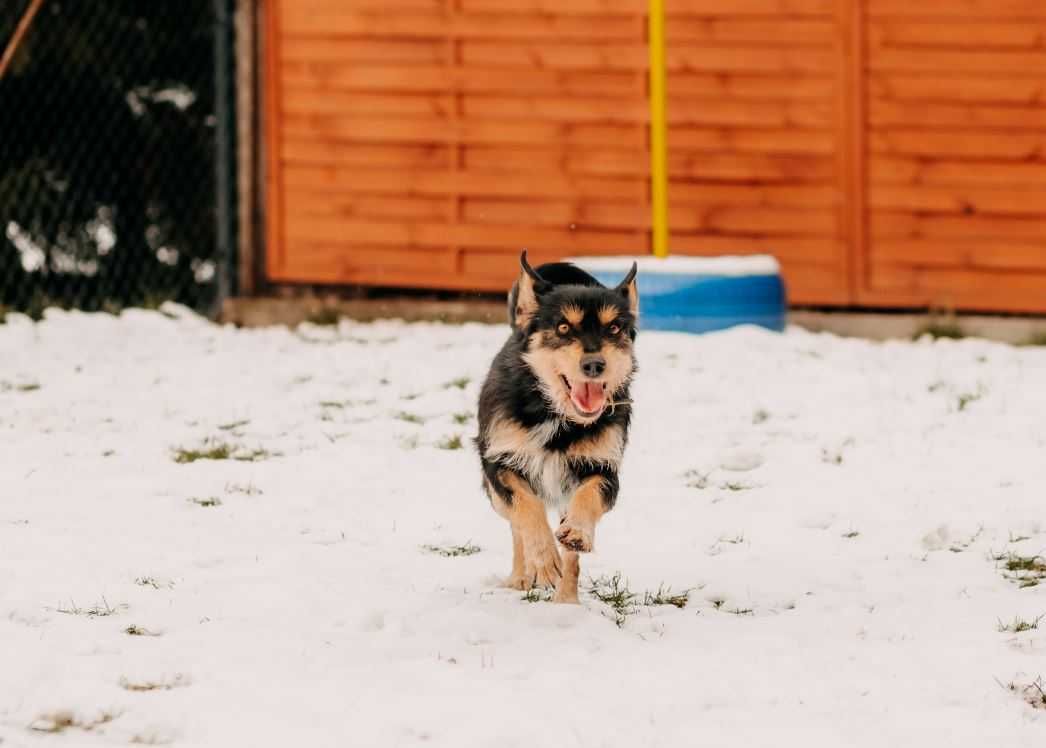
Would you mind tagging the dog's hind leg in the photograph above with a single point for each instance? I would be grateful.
(517, 579)
(566, 590)
(535, 558)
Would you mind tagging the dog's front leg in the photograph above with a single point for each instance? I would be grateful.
(593, 498)
(534, 552)
(566, 590)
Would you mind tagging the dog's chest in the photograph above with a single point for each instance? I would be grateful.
(550, 471)
(552, 478)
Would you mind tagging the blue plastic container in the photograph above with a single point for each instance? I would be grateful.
(699, 294)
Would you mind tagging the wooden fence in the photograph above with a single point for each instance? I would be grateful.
(888, 152)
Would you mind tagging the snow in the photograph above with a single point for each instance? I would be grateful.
(724, 265)
(831, 503)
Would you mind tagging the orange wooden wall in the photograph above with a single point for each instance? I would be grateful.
(889, 152)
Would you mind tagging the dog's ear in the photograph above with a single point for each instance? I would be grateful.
(628, 289)
(523, 299)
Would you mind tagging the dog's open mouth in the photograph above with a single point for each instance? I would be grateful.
(588, 397)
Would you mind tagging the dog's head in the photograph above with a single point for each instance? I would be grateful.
(579, 337)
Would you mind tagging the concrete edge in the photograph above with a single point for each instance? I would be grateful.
(263, 312)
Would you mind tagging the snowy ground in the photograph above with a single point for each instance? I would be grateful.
(832, 505)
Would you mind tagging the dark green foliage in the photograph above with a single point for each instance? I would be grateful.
(107, 115)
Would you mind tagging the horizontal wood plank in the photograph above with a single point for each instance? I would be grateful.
(362, 207)
(440, 131)
(983, 173)
(962, 32)
(961, 200)
(966, 89)
(904, 224)
(1008, 64)
(1011, 146)
(342, 20)
(638, 7)
(902, 285)
(334, 75)
(779, 31)
(783, 140)
(747, 167)
(885, 113)
(945, 9)
(962, 253)
(399, 156)
(403, 51)
(426, 182)
(411, 234)
(609, 56)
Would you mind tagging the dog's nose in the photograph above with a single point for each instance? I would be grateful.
(593, 365)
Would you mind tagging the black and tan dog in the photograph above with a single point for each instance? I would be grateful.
(554, 414)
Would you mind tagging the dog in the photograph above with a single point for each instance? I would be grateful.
(553, 417)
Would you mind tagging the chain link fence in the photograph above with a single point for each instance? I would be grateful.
(116, 154)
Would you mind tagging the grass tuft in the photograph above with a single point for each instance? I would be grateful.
(965, 398)
(451, 442)
(462, 418)
(537, 595)
(324, 316)
(697, 479)
(154, 583)
(1019, 625)
(59, 721)
(216, 449)
(209, 501)
(459, 383)
(615, 593)
(940, 328)
(410, 417)
(452, 551)
(1024, 571)
(19, 386)
(231, 425)
(665, 596)
(1036, 339)
(1033, 694)
(177, 681)
(851, 535)
(247, 489)
(135, 630)
(95, 611)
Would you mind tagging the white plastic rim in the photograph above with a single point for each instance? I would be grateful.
(725, 265)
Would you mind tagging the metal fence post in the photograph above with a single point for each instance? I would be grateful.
(225, 154)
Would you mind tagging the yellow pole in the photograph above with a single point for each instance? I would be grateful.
(658, 142)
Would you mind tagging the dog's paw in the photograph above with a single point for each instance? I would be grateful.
(566, 594)
(575, 536)
(516, 581)
(542, 567)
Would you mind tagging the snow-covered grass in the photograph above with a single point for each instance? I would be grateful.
(221, 537)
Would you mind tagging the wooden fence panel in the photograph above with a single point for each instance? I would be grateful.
(415, 143)
(889, 152)
(755, 123)
(956, 154)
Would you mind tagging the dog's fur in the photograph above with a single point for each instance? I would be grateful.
(540, 449)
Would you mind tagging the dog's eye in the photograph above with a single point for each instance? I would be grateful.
(615, 329)
(563, 328)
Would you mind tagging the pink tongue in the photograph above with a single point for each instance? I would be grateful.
(588, 396)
